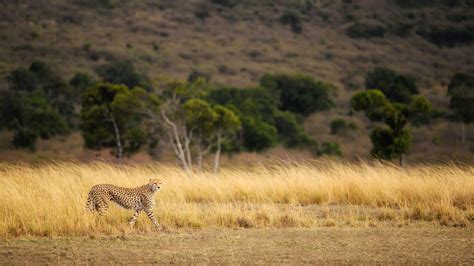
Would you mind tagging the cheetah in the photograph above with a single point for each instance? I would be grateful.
(138, 199)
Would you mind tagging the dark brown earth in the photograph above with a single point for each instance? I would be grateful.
(431, 244)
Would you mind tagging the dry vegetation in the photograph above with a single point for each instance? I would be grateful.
(48, 200)
(235, 46)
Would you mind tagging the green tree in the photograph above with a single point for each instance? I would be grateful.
(29, 116)
(258, 110)
(298, 93)
(225, 126)
(41, 78)
(81, 82)
(113, 117)
(397, 88)
(122, 72)
(191, 121)
(392, 141)
(461, 91)
(294, 18)
(258, 135)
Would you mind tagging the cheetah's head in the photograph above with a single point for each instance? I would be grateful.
(155, 184)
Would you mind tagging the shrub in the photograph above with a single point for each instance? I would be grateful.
(396, 87)
(341, 126)
(80, 82)
(360, 30)
(121, 72)
(226, 3)
(449, 36)
(293, 18)
(258, 135)
(329, 148)
(298, 93)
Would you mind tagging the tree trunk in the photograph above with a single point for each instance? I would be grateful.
(463, 133)
(175, 140)
(117, 137)
(402, 160)
(199, 158)
(218, 152)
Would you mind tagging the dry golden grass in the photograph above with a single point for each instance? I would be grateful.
(48, 200)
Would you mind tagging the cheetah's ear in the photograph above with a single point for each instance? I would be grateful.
(150, 181)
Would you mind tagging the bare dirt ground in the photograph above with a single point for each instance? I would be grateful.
(426, 244)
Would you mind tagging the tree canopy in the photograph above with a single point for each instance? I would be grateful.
(298, 93)
(396, 87)
(112, 117)
(394, 140)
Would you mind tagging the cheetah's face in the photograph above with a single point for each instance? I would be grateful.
(155, 184)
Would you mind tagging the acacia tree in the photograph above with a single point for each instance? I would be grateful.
(192, 124)
(224, 127)
(393, 140)
(461, 90)
(112, 117)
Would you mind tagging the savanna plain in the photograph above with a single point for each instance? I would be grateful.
(320, 211)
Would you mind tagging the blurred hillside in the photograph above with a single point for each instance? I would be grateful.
(236, 42)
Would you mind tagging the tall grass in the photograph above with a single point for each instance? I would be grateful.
(48, 200)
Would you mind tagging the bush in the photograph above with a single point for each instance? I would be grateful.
(341, 126)
(396, 87)
(298, 93)
(360, 30)
(262, 119)
(290, 130)
(449, 36)
(81, 82)
(293, 18)
(258, 135)
(122, 72)
(329, 148)
(226, 3)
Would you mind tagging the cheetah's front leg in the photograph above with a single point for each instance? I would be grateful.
(149, 213)
(134, 217)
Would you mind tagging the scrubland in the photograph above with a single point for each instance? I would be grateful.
(49, 199)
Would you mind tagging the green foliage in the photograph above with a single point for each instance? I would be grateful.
(81, 82)
(329, 148)
(361, 30)
(448, 36)
(258, 135)
(37, 105)
(396, 87)
(30, 117)
(261, 118)
(113, 113)
(388, 144)
(394, 141)
(293, 18)
(290, 130)
(341, 126)
(226, 3)
(298, 93)
(122, 72)
(227, 120)
(428, 3)
(200, 117)
(22, 79)
(413, 3)
(461, 90)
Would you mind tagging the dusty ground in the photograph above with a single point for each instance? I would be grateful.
(426, 244)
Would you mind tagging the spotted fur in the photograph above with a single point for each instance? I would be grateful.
(138, 199)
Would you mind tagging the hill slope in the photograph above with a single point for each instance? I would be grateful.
(235, 42)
